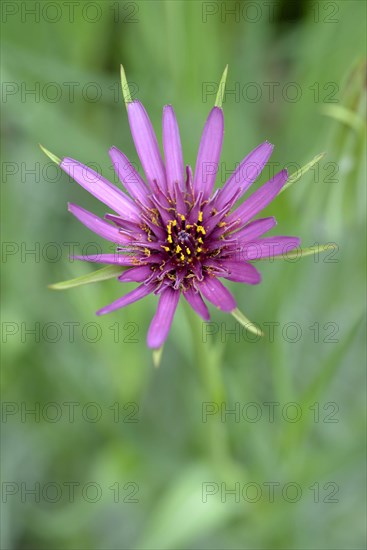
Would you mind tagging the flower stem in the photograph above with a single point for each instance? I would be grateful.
(208, 359)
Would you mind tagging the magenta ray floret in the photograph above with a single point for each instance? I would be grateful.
(172, 233)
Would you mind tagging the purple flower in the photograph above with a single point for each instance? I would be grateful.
(174, 235)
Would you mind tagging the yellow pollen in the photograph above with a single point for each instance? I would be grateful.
(178, 249)
(182, 217)
(199, 249)
(200, 240)
(182, 257)
(169, 238)
(188, 251)
(147, 251)
(166, 248)
(200, 217)
(200, 229)
(174, 223)
(188, 226)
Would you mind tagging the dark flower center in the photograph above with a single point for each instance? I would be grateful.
(184, 241)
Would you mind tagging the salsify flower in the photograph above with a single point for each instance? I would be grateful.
(174, 234)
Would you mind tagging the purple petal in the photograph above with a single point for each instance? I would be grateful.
(102, 189)
(136, 274)
(129, 298)
(216, 293)
(209, 153)
(197, 303)
(266, 248)
(172, 150)
(98, 226)
(129, 176)
(254, 229)
(162, 320)
(245, 174)
(117, 259)
(258, 200)
(146, 144)
(241, 272)
(189, 181)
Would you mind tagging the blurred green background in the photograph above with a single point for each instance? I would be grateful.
(121, 455)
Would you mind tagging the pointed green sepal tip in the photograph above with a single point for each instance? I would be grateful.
(302, 171)
(221, 89)
(102, 274)
(157, 356)
(125, 87)
(50, 155)
(242, 319)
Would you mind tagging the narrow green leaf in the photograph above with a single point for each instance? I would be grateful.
(242, 319)
(50, 155)
(221, 89)
(299, 253)
(299, 173)
(157, 356)
(328, 369)
(125, 87)
(107, 272)
(344, 115)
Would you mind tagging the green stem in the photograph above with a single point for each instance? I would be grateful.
(208, 360)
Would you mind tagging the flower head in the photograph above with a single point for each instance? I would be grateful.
(175, 236)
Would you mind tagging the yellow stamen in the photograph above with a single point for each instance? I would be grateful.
(188, 251)
(169, 238)
(182, 257)
(178, 249)
(200, 217)
(166, 248)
